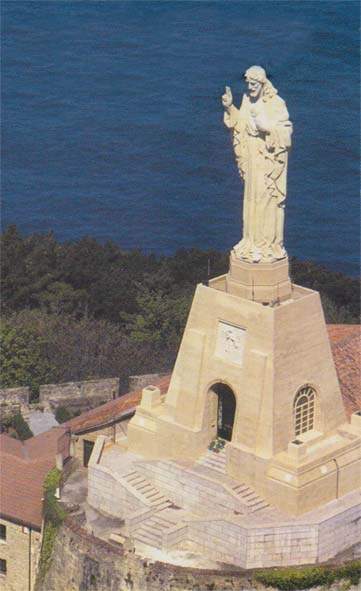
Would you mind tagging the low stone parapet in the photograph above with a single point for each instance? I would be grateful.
(79, 396)
(14, 401)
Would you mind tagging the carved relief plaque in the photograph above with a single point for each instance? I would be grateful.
(230, 342)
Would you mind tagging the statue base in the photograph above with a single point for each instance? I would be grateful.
(260, 282)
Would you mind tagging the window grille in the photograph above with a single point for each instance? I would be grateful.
(2, 531)
(304, 410)
(3, 567)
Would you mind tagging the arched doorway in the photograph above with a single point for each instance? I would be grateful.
(225, 411)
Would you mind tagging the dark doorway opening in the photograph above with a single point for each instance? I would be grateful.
(226, 410)
(87, 451)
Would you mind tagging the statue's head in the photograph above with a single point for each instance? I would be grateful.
(258, 84)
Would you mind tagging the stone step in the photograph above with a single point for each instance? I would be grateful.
(144, 489)
(219, 456)
(214, 460)
(250, 495)
(239, 488)
(158, 527)
(160, 518)
(212, 464)
(133, 476)
(149, 492)
(162, 504)
(156, 500)
(144, 537)
(260, 505)
(148, 530)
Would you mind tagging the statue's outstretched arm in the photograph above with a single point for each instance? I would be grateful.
(231, 115)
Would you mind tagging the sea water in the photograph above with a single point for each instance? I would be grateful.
(112, 120)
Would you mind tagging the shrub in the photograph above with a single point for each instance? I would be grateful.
(20, 426)
(62, 414)
(289, 579)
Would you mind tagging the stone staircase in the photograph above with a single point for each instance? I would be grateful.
(214, 460)
(152, 497)
(249, 497)
(217, 461)
(151, 530)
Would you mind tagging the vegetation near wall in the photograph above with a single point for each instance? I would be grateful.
(289, 579)
(81, 310)
(17, 427)
(54, 516)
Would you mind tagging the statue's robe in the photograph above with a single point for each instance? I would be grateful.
(262, 163)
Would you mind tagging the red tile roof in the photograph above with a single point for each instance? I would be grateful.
(24, 466)
(112, 410)
(346, 348)
(345, 344)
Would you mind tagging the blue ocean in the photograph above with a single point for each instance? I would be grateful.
(112, 124)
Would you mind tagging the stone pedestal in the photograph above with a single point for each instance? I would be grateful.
(259, 282)
(264, 340)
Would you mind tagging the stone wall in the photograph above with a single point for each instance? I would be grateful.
(339, 531)
(188, 489)
(141, 381)
(109, 495)
(13, 401)
(79, 396)
(82, 562)
(20, 543)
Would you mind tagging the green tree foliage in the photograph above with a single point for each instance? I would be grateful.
(160, 320)
(20, 427)
(343, 292)
(86, 348)
(22, 358)
(62, 414)
(86, 278)
(82, 310)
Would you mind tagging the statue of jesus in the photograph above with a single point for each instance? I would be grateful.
(261, 141)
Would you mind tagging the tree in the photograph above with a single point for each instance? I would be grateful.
(160, 320)
(62, 298)
(22, 358)
(20, 426)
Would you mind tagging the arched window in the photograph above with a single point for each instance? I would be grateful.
(304, 410)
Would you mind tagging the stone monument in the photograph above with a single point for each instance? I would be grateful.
(261, 140)
(262, 337)
(255, 380)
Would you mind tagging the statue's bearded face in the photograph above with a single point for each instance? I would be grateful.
(254, 87)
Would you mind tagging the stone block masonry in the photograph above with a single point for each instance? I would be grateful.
(79, 396)
(141, 381)
(13, 401)
(94, 564)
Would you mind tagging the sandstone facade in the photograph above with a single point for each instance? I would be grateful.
(20, 550)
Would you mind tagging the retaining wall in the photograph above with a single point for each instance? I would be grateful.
(13, 401)
(82, 562)
(79, 396)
